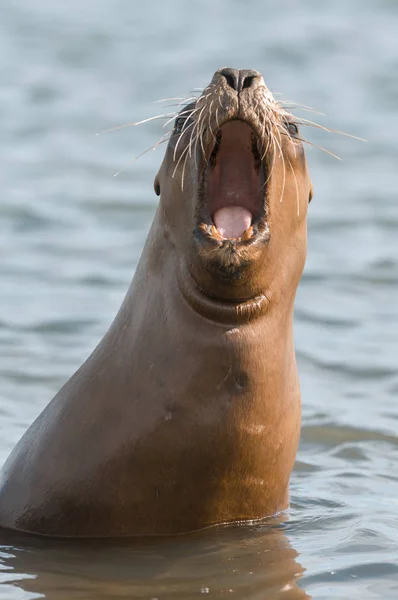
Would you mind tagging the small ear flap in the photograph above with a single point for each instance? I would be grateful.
(311, 194)
(156, 185)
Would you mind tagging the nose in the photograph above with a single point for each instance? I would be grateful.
(238, 80)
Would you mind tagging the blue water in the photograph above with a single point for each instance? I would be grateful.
(71, 235)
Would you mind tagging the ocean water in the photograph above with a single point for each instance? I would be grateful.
(71, 235)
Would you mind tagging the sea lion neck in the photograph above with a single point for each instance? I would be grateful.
(215, 309)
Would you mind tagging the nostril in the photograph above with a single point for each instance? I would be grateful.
(231, 77)
(248, 81)
(239, 80)
(248, 78)
(231, 81)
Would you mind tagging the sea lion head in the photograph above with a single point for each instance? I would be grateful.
(234, 189)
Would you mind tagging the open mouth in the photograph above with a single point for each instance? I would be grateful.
(234, 185)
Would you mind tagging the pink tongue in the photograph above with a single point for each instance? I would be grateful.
(232, 221)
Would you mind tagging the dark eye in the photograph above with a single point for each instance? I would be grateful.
(179, 124)
(292, 128)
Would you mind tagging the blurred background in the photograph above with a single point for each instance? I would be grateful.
(71, 235)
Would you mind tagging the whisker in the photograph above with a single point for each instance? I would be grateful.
(134, 123)
(297, 189)
(268, 141)
(163, 139)
(272, 163)
(180, 114)
(183, 171)
(285, 132)
(301, 139)
(191, 143)
(185, 127)
(179, 139)
(195, 141)
(210, 127)
(206, 96)
(283, 165)
(130, 162)
(328, 129)
(182, 98)
(179, 160)
(294, 104)
(201, 140)
(217, 121)
(208, 111)
(287, 107)
(320, 148)
(174, 105)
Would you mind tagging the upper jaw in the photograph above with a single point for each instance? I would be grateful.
(234, 167)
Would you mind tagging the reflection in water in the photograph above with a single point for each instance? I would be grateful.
(72, 235)
(244, 562)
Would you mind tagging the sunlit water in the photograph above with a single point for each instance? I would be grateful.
(71, 236)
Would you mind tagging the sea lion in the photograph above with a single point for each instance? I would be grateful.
(187, 414)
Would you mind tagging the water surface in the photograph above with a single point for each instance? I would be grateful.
(72, 234)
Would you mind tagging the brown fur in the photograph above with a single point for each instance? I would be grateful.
(187, 414)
